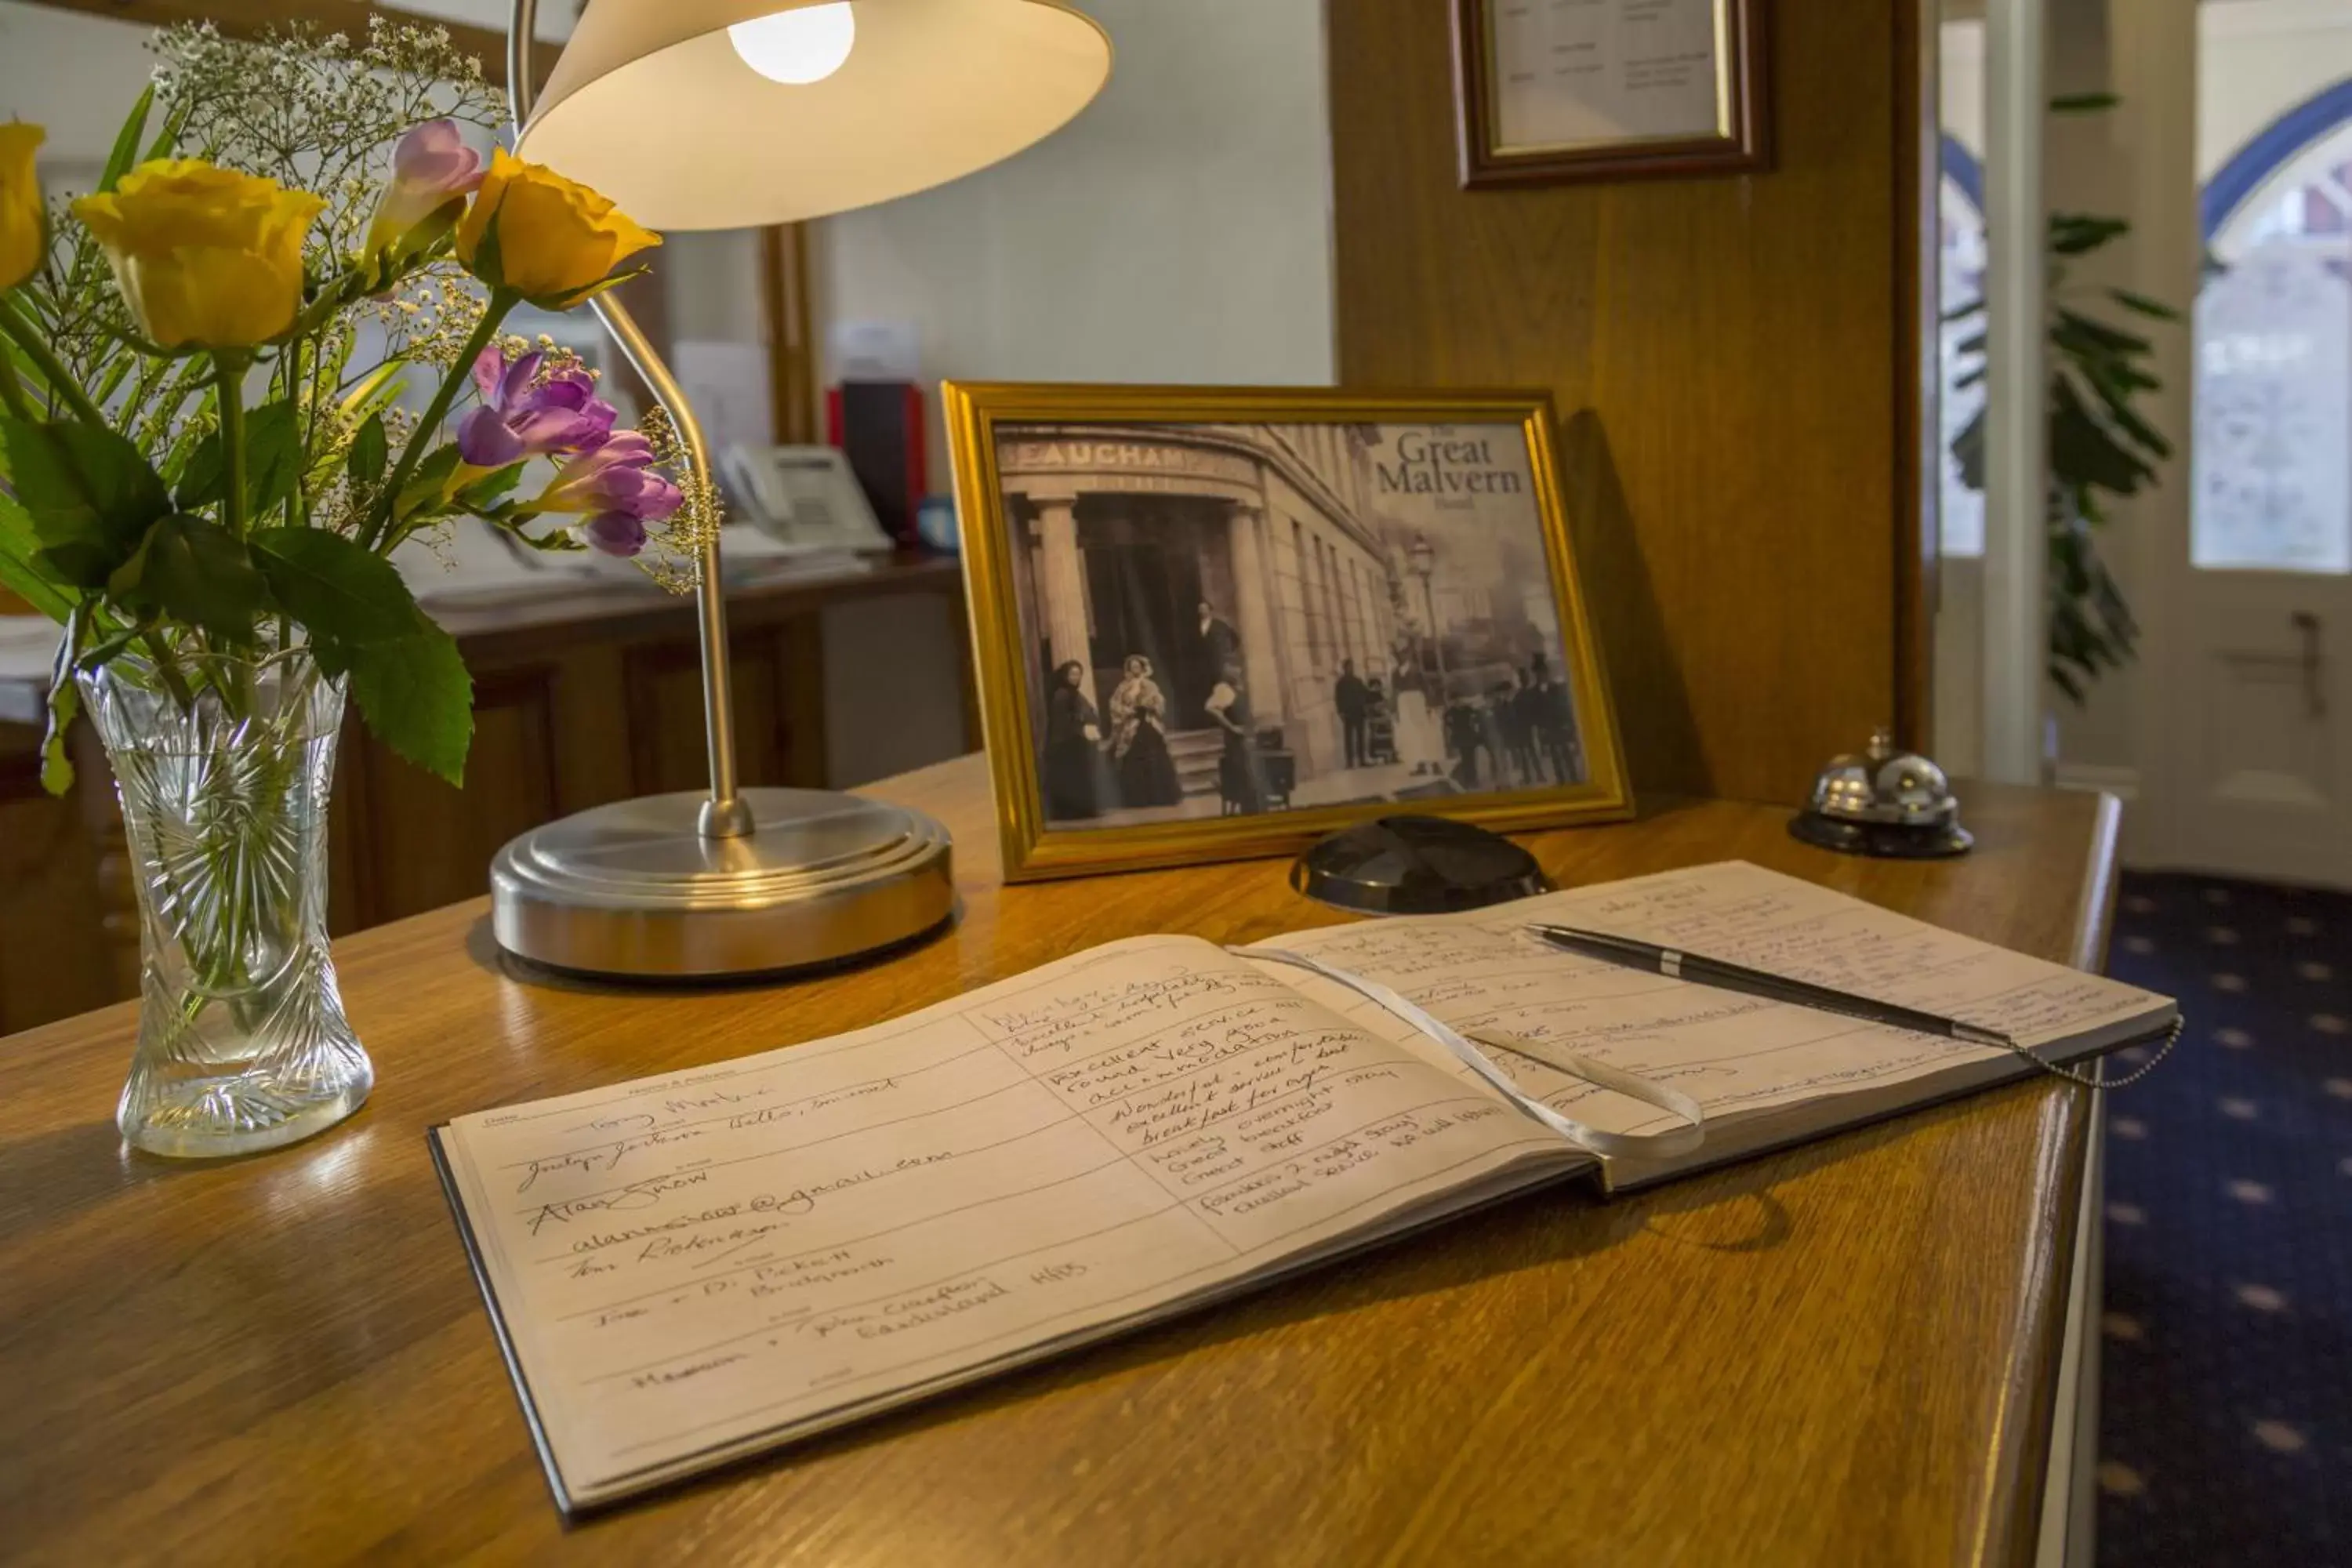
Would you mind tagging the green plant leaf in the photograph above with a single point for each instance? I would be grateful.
(65, 701)
(89, 493)
(273, 462)
(194, 571)
(406, 675)
(1969, 448)
(341, 592)
(2080, 333)
(167, 135)
(492, 488)
(2082, 453)
(2130, 300)
(370, 451)
(20, 573)
(417, 697)
(423, 493)
(125, 151)
(558, 543)
(2078, 234)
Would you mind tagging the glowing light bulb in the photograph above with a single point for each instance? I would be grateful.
(797, 48)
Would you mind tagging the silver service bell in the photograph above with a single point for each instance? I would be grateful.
(1884, 803)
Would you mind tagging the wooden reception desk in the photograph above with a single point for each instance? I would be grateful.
(1849, 1352)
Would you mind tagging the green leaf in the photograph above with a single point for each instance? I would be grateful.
(19, 570)
(2077, 234)
(340, 591)
(2143, 304)
(416, 696)
(125, 151)
(423, 493)
(1969, 448)
(195, 572)
(2079, 334)
(558, 543)
(492, 488)
(2082, 102)
(273, 463)
(65, 701)
(2082, 453)
(406, 676)
(370, 452)
(88, 491)
(167, 135)
(580, 297)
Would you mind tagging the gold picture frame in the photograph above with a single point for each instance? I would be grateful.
(1162, 460)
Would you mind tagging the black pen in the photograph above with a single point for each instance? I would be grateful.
(1678, 965)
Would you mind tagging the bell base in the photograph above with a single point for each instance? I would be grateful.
(633, 890)
(1882, 841)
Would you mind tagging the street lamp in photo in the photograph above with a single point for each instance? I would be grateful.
(1421, 559)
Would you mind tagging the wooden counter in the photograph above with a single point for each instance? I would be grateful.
(1844, 1353)
(586, 693)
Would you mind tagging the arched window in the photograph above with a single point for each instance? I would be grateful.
(2274, 335)
(1960, 226)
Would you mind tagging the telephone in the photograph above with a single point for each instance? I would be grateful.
(805, 497)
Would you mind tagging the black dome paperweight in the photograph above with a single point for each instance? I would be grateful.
(1415, 865)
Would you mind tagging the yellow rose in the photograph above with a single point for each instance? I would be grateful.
(548, 237)
(22, 239)
(205, 257)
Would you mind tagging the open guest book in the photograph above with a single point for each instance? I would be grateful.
(692, 1268)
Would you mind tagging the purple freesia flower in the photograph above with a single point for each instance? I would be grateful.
(518, 420)
(432, 168)
(615, 488)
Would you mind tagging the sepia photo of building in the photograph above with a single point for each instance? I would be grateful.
(1382, 592)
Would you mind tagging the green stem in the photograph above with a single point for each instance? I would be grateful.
(12, 391)
(62, 384)
(228, 382)
(167, 670)
(429, 426)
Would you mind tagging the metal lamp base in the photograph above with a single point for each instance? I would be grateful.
(635, 890)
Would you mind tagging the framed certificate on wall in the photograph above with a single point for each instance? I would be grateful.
(1552, 90)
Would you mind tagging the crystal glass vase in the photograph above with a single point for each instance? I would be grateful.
(224, 767)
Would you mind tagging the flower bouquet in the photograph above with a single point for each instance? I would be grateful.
(202, 476)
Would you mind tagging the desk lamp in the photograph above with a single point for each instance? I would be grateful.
(696, 114)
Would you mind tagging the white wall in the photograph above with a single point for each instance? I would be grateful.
(1180, 230)
(75, 74)
(2261, 58)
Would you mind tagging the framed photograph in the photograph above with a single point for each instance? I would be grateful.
(1554, 90)
(1215, 623)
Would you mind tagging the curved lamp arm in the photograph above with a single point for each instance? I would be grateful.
(724, 815)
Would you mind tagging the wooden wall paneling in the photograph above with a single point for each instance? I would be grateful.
(1919, 431)
(791, 346)
(50, 967)
(431, 845)
(779, 677)
(591, 744)
(1724, 358)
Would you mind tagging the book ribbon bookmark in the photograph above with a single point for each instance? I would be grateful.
(1467, 1049)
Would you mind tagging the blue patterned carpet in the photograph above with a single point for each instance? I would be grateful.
(2226, 1385)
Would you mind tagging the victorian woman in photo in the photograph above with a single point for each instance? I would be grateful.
(1073, 743)
(1139, 740)
(1237, 770)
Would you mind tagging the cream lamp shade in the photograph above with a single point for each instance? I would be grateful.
(732, 113)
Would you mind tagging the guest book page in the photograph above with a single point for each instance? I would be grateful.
(1486, 975)
(720, 1259)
